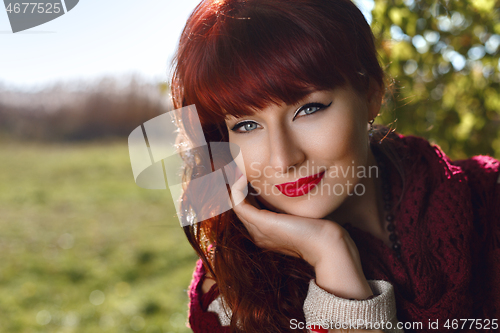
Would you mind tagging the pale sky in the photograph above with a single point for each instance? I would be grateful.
(96, 38)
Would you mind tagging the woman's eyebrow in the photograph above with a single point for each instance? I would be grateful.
(232, 118)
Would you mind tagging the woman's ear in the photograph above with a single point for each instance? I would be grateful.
(374, 96)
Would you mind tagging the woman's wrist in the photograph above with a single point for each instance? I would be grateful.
(344, 285)
(338, 268)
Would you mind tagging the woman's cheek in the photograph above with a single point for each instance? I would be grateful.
(336, 145)
(254, 170)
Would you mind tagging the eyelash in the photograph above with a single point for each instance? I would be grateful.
(302, 108)
(311, 105)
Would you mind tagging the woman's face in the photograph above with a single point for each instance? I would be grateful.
(306, 159)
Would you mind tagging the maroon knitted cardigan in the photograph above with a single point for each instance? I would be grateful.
(448, 223)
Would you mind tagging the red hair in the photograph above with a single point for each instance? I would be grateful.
(237, 57)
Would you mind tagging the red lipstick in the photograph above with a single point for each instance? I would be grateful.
(301, 186)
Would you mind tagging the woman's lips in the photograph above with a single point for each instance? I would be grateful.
(301, 186)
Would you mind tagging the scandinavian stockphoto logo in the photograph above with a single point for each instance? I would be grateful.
(157, 163)
(25, 15)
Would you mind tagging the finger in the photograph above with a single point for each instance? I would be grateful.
(239, 193)
(242, 202)
(249, 214)
(239, 190)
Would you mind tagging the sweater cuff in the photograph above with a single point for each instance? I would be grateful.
(323, 308)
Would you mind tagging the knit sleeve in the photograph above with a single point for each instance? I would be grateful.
(203, 316)
(321, 308)
(207, 313)
(327, 310)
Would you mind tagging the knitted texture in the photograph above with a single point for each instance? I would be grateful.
(449, 226)
(222, 312)
(448, 223)
(201, 320)
(328, 310)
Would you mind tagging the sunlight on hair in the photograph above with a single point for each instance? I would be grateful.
(218, 3)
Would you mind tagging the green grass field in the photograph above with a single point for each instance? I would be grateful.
(84, 249)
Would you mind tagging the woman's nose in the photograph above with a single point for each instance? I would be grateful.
(284, 151)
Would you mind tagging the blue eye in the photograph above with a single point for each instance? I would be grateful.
(311, 108)
(247, 126)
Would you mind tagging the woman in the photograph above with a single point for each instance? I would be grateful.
(347, 223)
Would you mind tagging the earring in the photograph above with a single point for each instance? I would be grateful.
(370, 132)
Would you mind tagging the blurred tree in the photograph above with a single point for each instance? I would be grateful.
(81, 110)
(443, 60)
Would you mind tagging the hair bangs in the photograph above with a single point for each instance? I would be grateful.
(250, 56)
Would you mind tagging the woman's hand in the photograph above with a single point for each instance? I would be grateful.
(323, 244)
